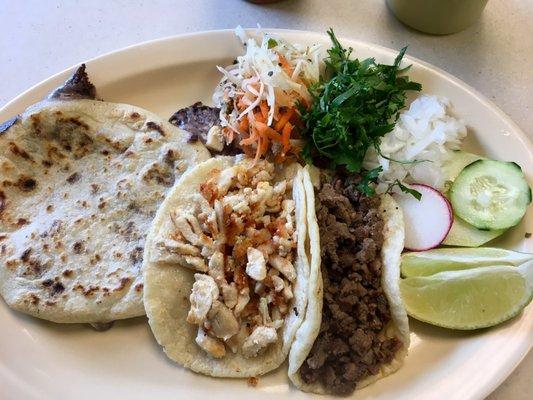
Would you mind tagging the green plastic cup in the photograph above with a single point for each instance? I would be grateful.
(438, 17)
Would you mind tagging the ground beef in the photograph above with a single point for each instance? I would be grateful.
(349, 347)
(197, 120)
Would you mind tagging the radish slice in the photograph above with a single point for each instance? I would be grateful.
(428, 220)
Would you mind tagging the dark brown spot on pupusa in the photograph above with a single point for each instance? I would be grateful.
(155, 127)
(48, 283)
(77, 247)
(25, 256)
(67, 273)
(22, 222)
(34, 300)
(57, 288)
(75, 177)
(3, 202)
(26, 184)
(19, 152)
(123, 283)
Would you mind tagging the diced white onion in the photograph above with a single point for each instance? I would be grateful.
(424, 132)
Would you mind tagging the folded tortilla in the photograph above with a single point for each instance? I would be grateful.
(168, 285)
(391, 252)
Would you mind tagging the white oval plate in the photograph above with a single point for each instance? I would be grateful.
(41, 360)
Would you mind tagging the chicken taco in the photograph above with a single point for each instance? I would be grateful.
(360, 332)
(225, 267)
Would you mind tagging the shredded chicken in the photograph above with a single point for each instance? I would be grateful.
(263, 310)
(287, 292)
(283, 265)
(258, 340)
(174, 246)
(182, 224)
(278, 283)
(204, 293)
(256, 267)
(196, 263)
(215, 139)
(223, 323)
(229, 294)
(216, 267)
(225, 180)
(210, 345)
(242, 300)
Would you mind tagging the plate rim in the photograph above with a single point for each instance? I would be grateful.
(148, 43)
(527, 142)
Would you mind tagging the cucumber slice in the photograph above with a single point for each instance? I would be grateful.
(491, 194)
(462, 233)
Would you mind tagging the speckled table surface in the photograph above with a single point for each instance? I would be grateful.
(495, 55)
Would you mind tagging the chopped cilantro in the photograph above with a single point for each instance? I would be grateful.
(368, 177)
(415, 193)
(354, 105)
(271, 43)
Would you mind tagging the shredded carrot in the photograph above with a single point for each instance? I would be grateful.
(259, 117)
(262, 148)
(285, 117)
(265, 130)
(285, 64)
(244, 125)
(285, 137)
(240, 104)
(264, 109)
(279, 158)
(258, 150)
(255, 135)
(262, 136)
(228, 133)
(253, 138)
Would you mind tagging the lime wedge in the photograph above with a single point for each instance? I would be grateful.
(430, 262)
(469, 299)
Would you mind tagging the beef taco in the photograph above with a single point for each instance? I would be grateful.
(360, 333)
(225, 267)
